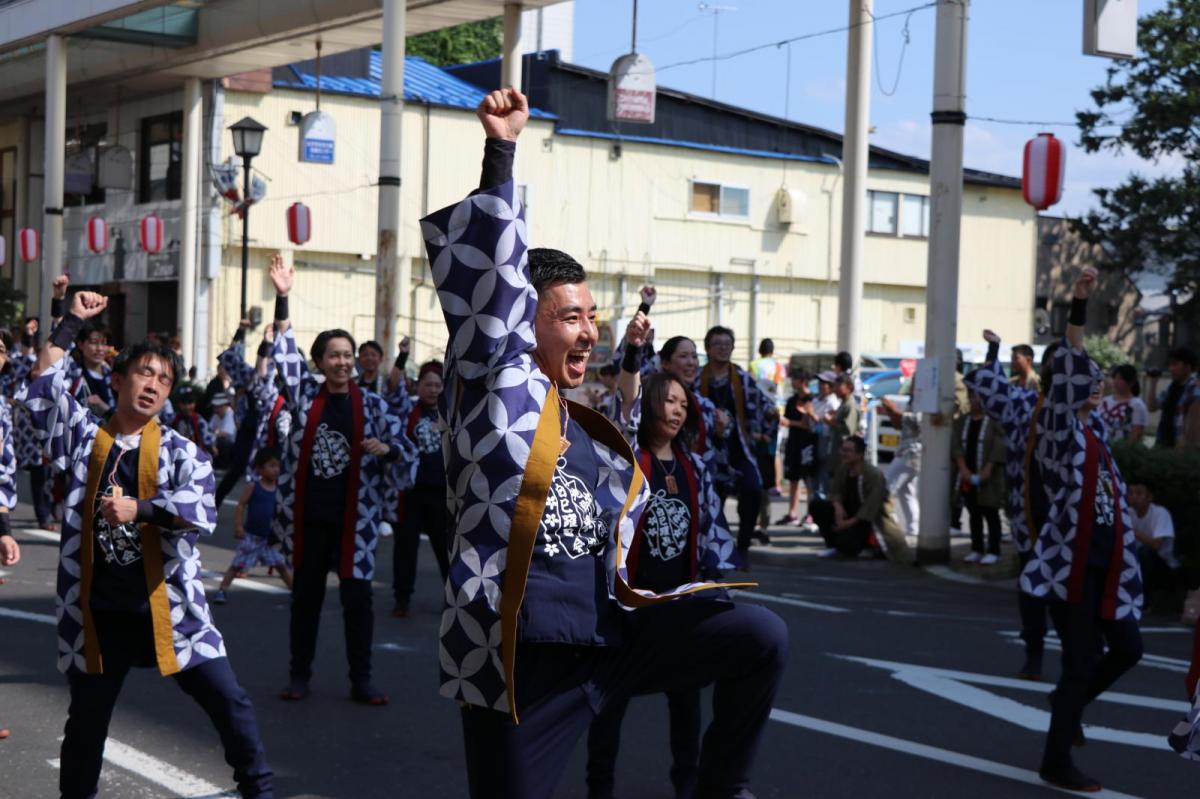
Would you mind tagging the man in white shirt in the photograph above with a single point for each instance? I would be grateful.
(1155, 532)
(824, 408)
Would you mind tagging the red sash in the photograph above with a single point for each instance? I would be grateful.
(1082, 545)
(350, 515)
(693, 495)
(272, 435)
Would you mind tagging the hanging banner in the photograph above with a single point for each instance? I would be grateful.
(631, 90)
(318, 132)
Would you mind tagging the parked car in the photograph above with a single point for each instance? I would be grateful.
(880, 384)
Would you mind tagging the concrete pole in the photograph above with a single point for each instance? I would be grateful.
(510, 65)
(56, 149)
(941, 324)
(192, 137)
(393, 272)
(854, 194)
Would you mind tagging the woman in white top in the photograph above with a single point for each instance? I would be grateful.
(1123, 411)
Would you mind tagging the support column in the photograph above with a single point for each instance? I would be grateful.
(941, 323)
(510, 64)
(190, 192)
(52, 190)
(393, 272)
(854, 156)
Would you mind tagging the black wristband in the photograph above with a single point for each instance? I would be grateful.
(147, 512)
(630, 362)
(644, 308)
(5, 525)
(401, 360)
(66, 332)
(57, 307)
(498, 157)
(240, 335)
(27, 340)
(265, 348)
(993, 351)
(281, 307)
(1078, 315)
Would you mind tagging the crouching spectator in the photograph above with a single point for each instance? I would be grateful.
(1155, 532)
(858, 514)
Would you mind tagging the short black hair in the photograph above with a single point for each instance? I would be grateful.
(844, 361)
(1024, 350)
(266, 455)
(766, 347)
(860, 445)
(608, 370)
(717, 330)
(548, 268)
(370, 345)
(134, 353)
(92, 326)
(1184, 355)
(185, 394)
(668, 348)
(427, 367)
(1128, 373)
(324, 337)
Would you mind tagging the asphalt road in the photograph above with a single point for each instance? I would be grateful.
(899, 684)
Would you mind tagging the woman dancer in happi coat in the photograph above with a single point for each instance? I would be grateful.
(1085, 558)
(547, 496)
(330, 499)
(1016, 409)
(682, 537)
(129, 587)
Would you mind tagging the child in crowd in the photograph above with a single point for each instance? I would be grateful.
(252, 525)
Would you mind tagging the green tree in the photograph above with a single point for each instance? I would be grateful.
(1104, 352)
(12, 305)
(462, 44)
(1150, 106)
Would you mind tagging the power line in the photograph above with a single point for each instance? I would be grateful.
(1033, 122)
(799, 38)
(900, 65)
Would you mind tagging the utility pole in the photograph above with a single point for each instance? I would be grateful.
(393, 271)
(941, 322)
(855, 152)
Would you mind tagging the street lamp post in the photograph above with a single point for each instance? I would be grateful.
(247, 143)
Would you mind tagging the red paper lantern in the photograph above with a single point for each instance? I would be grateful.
(97, 234)
(299, 222)
(152, 233)
(27, 242)
(1043, 170)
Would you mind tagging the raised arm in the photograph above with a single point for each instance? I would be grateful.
(234, 359)
(1007, 404)
(629, 382)
(477, 253)
(1074, 374)
(297, 379)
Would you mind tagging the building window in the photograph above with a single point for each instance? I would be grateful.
(81, 182)
(914, 216)
(159, 158)
(881, 212)
(720, 200)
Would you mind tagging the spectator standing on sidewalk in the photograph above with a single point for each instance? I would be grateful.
(979, 454)
(1123, 411)
(800, 449)
(1179, 425)
(845, 421)
(905, 468)
(1024, 375)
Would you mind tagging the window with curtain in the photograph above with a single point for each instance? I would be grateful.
(914, 216)
(160, 153)
(881, 212)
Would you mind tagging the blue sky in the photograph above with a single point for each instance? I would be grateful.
(1024, 61)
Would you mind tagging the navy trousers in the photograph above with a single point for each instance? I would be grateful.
(424, 512)
(749, 489)
(322, 553)
(126, 641)
(1084, 676)
(1033, 615)
(675, 647)
(604, 739)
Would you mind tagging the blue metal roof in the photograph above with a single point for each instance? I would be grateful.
(691, 145)
(423, 83)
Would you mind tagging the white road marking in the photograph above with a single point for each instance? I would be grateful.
(178, 782)
(924, 750)
(248, 583)
(45, 535)
(782, 600)
(958, 687)
(1180, 629)
(1153, 661)
(44, 618)
(390, 646)
(946, 573)
(946, 616)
